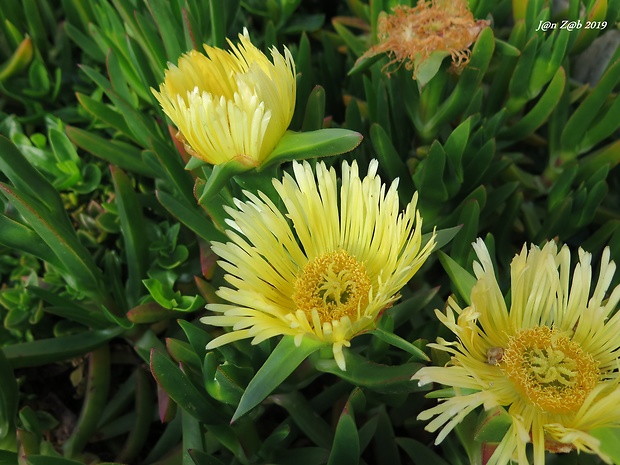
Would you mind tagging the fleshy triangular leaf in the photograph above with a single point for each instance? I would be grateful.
(463, 281)
(220, 176)
(281, 363)
(313, 144)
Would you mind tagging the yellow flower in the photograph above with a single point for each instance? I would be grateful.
(325, 268)
(229, 105)
(411, 34)
(551, 359)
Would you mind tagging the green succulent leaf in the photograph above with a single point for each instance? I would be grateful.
(220, 177)
(315, 110)
(346, 446)
(202, 458)
(419, 453)
(50, 460)
(168, 298)
(539, 114)
(401, 343)
(133, 231)
(610, 442)
(46, 351)
(225, 382)
(462, 280)
(26, 178)
(427, 69)
(313, 144)
(18, 236)
(115, 152)
(18, 61)
(429, 176)
(392, 162)
(305, 417)
(284, 359)
(9, 397)
(353, 42)
(150, 312)
(78, 266)
(380, 378)
(581, 119)
(178, 386)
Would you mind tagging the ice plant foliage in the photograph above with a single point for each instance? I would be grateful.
(230, 104)
(326, 267)
(551, 358)
(411, 35)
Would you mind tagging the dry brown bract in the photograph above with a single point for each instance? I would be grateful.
(410, 35)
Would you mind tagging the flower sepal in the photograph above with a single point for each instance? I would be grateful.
(609, 442)
(284, 359)
(492, 425)
(222, 174)
(312, 144)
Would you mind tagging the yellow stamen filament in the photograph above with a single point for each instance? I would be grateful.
(552, 371)
(334, 284)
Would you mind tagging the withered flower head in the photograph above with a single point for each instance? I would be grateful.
(411, 35)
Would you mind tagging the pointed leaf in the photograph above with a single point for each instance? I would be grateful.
(463, 281)
(134, 232)
(541, 111)
(221, 175)
(26, 178)
(106, 114)
(196, 336)
(19, 236)
(79, 268)
(346, 446)
(419, 453)
(46, 351)
(305, 417)
(442, 237)
(284, 359)
(581, 119)
(313, 144)
(401, 343)
(195, 402)
(315, 110)
(114, 152)
(392, 162)
(386, 379)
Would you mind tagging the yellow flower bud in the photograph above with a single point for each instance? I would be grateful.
(230, 104)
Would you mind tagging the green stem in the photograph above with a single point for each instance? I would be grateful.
(94, 402)
(144, 414)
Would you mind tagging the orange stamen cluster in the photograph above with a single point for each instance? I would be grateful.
(410, 35)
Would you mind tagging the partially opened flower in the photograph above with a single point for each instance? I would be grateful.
(326, 267)
(551, 358)
(230, 105)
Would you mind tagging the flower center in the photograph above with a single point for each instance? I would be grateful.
(334, 284)
(552, 371)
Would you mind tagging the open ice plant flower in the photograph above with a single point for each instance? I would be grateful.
(551, 358)
(326, 267)
(230, 104)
